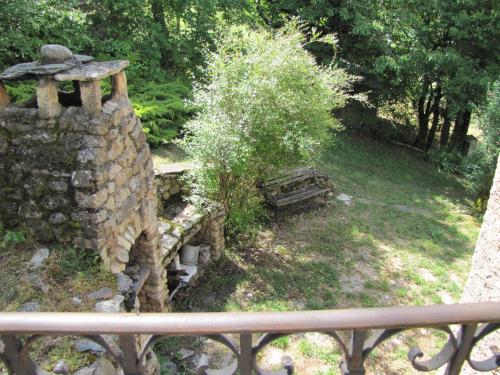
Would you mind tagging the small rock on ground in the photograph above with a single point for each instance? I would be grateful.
(185, 353)
(76, 301)
(61, 367)
(346, 199)
(39, 257)
(102, 293)
(85, 345)
(29, 307)
(111, 306)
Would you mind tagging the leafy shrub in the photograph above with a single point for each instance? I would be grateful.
(68, 261)
(14, 236)
(26, 25)
(446, 161)
(161, 108)
(20, 92)
(267, 106)
(480, 167)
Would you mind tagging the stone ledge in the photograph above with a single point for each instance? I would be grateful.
(182, 225)
(173, 169)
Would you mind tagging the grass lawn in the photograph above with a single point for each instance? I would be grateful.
(168, 154)
(407, 239)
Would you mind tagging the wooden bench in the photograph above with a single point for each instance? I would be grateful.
(294, 186)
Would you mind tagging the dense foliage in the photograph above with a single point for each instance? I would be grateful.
(481, 167)
(162, 108)
(266, 106)
(439, 55)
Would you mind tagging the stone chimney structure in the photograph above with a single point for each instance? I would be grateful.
(75, 166)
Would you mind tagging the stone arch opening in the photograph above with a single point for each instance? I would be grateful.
(135, 275)
(69, 94)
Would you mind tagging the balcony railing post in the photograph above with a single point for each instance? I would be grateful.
(17, 359)
(245, 358)
(354, 364)
(465, 338)
(129, 360)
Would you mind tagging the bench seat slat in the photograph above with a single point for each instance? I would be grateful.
(293, 176)
(298, 195)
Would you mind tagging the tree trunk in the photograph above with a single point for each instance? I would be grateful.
(435, 118)
(158, 12)
(423, 114)
(445, 130)
(459, 135)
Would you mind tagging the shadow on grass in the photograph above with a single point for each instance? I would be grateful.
(275, 278)
(314, 255)
(387, 175)
(213, 289)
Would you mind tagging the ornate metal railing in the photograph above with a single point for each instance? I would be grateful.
(367, 329)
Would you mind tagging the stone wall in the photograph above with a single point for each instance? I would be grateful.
(83, 174)
(169, 183)
(78, 178)
(180, 221)
(483, 282)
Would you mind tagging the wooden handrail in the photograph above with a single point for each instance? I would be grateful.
(247, 322)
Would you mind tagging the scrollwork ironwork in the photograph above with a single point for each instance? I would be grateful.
(491, 363)
(130, 351)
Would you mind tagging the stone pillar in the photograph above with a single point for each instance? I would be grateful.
(47, 98)
(4, 97)
(119, 83)
(90, 92)
(483, 283)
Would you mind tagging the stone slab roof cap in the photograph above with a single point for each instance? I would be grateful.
(92, 71)
(53, 59)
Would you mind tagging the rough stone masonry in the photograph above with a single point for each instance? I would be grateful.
(483, 283)
(75, 166)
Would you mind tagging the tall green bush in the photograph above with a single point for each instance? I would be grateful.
(267, 106)
(481, 166)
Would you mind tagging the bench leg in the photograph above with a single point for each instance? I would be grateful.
(277, 215)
